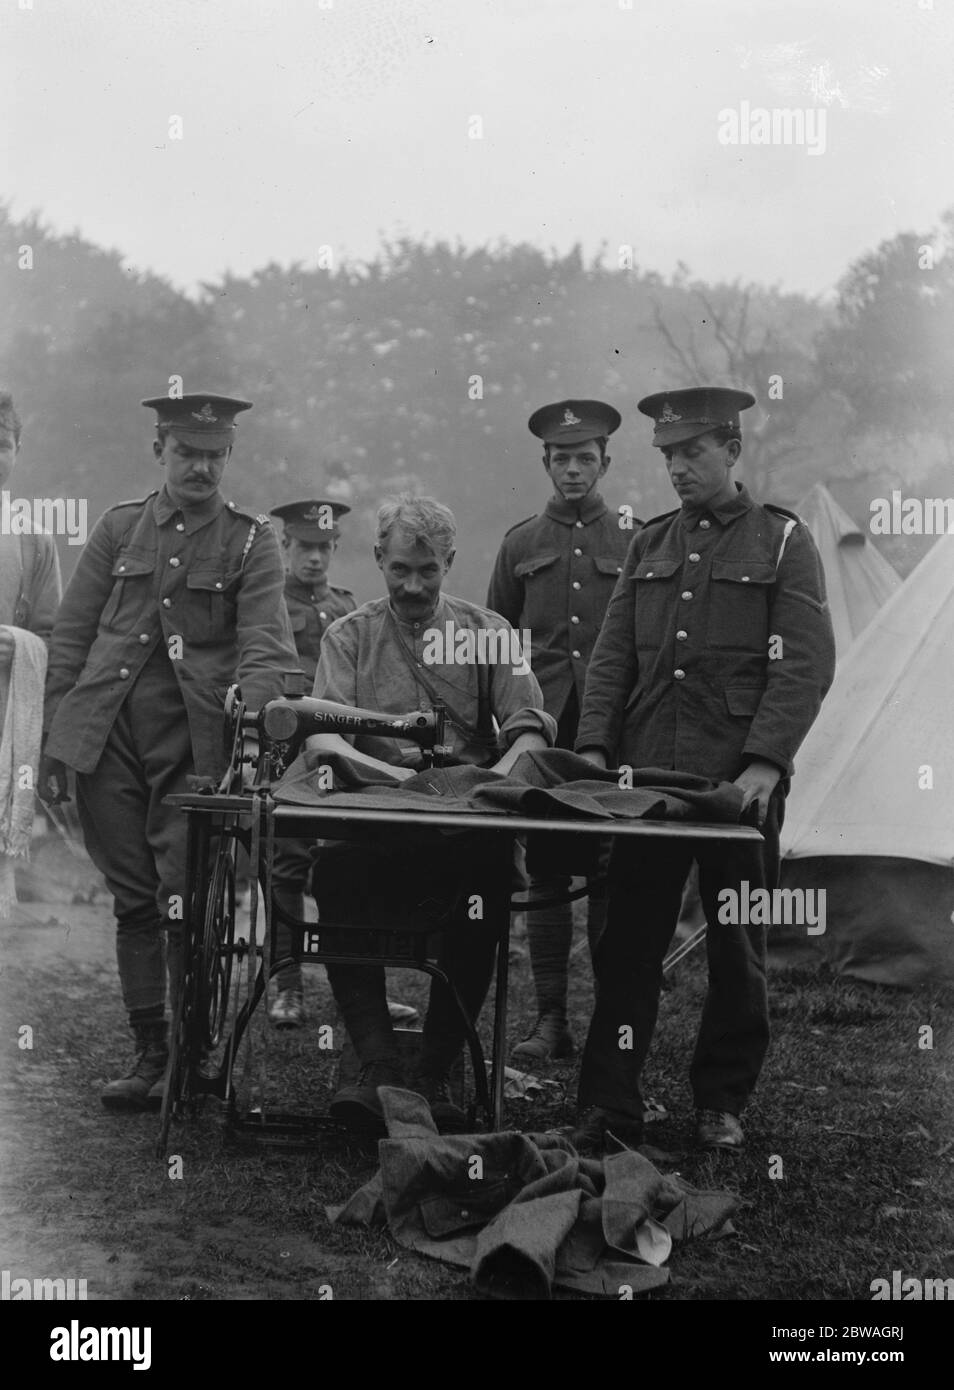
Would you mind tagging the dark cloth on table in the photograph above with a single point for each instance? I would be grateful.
(540, 1216)
(550, 784)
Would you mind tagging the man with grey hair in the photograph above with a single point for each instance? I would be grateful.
(385, 656)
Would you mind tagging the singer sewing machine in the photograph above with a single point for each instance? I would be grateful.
(215, 1007)
(271, 738)
(212, 1019)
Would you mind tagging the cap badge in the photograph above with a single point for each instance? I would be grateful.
(569, 418)
(668, 417)
(312, 514)
(205, 414)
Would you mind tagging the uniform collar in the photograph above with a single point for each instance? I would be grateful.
(193, 518)
(569, 513)
(726, 512)
(297, 589)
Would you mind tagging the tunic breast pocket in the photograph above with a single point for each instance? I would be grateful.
(657, 584)
(207, 611)
(739, 604)
(131, 592)
(541, 605)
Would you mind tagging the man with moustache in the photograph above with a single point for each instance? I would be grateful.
(714, 658)
(378, 658)
(174, 597)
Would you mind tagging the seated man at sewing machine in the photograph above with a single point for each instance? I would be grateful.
(394, 654)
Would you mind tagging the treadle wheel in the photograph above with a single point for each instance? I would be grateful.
(217, 948)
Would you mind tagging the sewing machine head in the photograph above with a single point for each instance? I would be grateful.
(272, 737)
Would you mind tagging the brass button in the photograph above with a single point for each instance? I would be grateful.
(122, 569)
(167, 603)
(144, 637)
(579, 523)
(323, 617)
(686, 594)
(576, 654)
(705, 524)
(680, 675)
(745, 579)
(574, 619)
(576, 584)
(218, 584)
(124, 673)
(175, 562)
(180, 526)
(577, 551)
(694, 556)
(650, 573)
(681, 635)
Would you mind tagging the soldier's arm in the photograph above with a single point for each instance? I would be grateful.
(613, 669)
(801, 663)
(263, 635)
(516, 702)
(335, 679)
(46, 589)
(505, 593)
(77, 620)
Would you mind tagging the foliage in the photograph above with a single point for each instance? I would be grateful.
(420, 368)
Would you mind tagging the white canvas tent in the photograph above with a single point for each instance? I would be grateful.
(871, 814)
(858, 578)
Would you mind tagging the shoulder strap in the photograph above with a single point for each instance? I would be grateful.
(484, 733)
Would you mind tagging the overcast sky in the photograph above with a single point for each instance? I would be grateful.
(310, 123)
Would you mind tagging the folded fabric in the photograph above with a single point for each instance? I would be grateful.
(525, 1213)
(21, 699)
(551, 783)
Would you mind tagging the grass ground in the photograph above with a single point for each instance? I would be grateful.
(852, 1117)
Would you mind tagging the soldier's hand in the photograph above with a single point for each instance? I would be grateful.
(758, 781)
(52, 782)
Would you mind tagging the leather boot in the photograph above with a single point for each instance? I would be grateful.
(549, 1040)
(131, 1091)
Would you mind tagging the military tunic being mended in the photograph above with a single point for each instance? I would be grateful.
(555, 575)
(717, 648)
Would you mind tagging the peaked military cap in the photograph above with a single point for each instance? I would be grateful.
(201, 419)
(312, 520)
(681, 415)
(571, 422)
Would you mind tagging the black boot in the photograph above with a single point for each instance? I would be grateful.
(131, 1091)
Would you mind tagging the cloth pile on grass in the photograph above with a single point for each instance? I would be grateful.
(525, 1213)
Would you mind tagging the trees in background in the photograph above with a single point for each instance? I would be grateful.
(420, 369)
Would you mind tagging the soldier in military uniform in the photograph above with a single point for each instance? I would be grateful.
(309, 540)
(714, 658)
(555, 574)
(174, 597)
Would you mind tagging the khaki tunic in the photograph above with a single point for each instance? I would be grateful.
(311, 611)
(206, 583)
(555, 575)
(717, 647)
